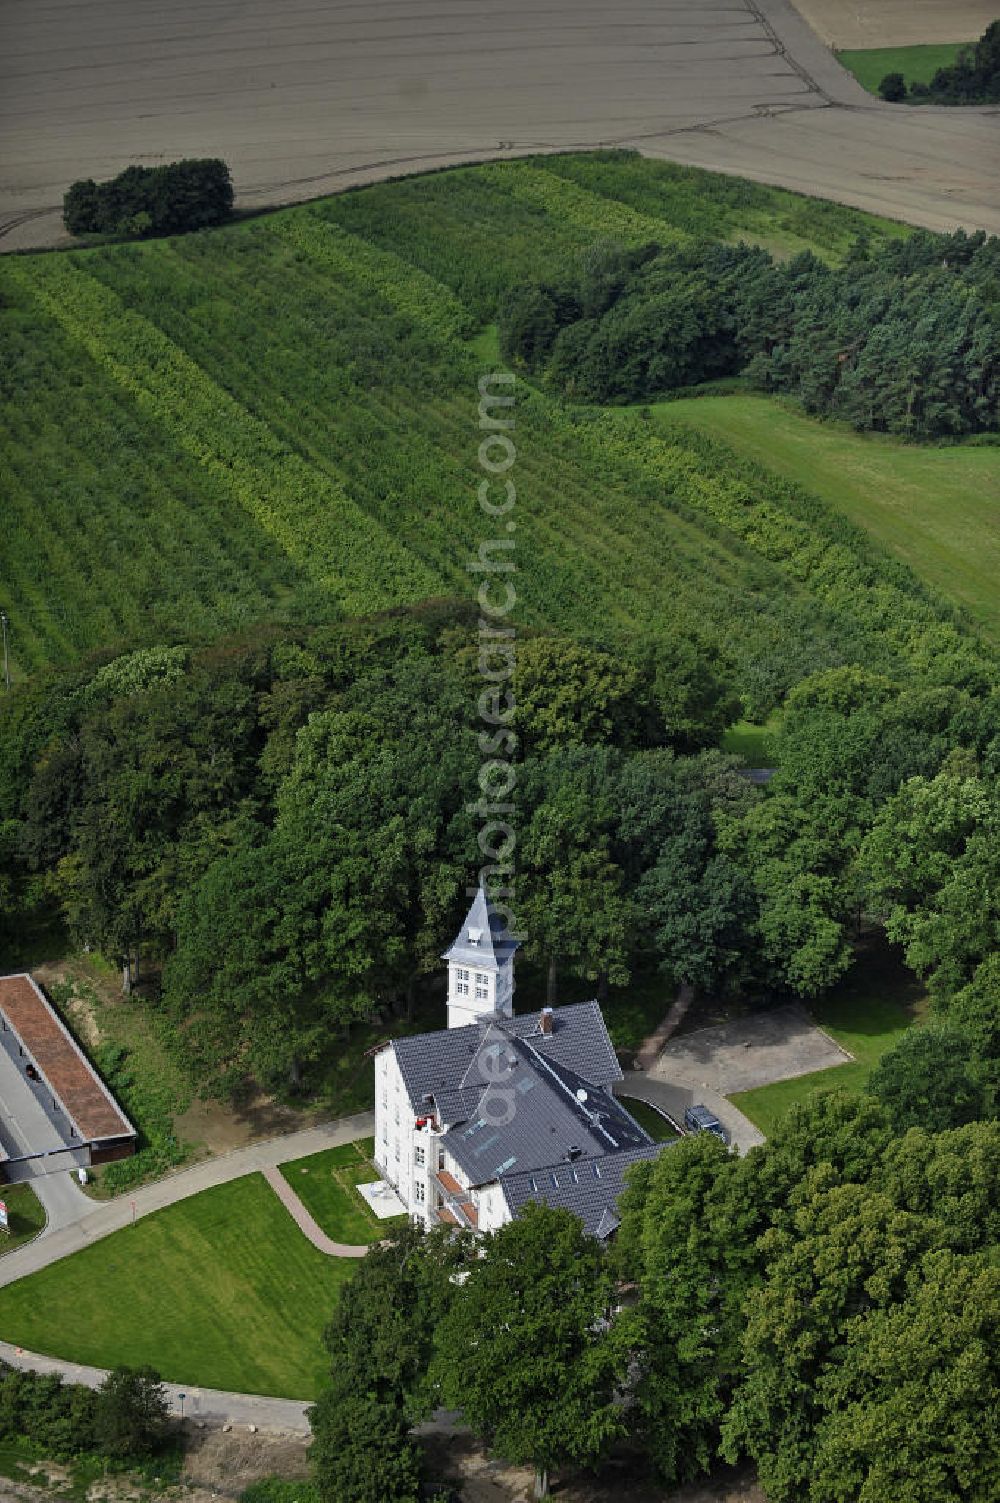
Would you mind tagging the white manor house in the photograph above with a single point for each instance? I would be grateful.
(496, 1110)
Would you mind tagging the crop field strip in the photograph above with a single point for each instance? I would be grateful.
(300, 399)
(102, 553)
(316, 524)
(720, 207)
(220, 343)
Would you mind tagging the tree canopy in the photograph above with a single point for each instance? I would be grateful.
(903, 339)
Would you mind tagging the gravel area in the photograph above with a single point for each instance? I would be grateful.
(752, 1051)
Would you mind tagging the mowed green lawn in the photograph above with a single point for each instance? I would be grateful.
(219, 1291)
(647, 1116)
(25, 1216)
(326, 1183)
(917, 64)
(938, 509)
(866, 1014)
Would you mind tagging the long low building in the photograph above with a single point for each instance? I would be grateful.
(55, 1110)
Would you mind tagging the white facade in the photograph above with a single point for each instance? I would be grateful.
(477, 989)
(404, 1153)
(409, 1145)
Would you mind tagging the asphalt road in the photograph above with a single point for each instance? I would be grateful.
(312, 95)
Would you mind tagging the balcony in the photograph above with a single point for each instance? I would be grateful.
(458, 1209)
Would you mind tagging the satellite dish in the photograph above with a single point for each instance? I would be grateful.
(581, 1095)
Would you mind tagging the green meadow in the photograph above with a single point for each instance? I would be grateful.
(936, 508)
(917, 64)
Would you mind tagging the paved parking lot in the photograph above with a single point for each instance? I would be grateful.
(752, 1051)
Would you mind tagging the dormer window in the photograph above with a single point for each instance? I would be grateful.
(475, 936)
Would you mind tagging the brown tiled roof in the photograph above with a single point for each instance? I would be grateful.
(60, 1061)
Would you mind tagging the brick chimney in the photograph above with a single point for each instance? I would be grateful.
(546, 1020)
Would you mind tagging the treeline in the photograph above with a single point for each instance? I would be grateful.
(974, 78)
(827, 1306)
(902, 339)
(286, 824)
(187, 195)
(125, 1419)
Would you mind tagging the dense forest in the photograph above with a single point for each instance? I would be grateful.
(286, 823)
(904, 339)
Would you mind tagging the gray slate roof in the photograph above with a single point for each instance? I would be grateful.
(590, 1188)
(533, 1111)
(436, 1063)
(484, 939)
(553, 1098)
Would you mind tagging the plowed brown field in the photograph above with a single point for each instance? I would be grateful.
(310, 95)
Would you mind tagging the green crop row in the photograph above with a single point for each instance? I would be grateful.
(307, 513)
(568, 202)
(281, 418)
(107, 536)
(379, 272)
(710, 206)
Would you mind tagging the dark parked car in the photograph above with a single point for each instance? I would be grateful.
(700, 1119)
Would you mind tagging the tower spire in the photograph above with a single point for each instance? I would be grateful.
(481, 966)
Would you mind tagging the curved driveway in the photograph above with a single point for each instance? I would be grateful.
(311, 95)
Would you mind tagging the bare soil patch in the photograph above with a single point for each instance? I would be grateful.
(221, 1464)
(483, 1480)
(214, 1127)
(897, 23)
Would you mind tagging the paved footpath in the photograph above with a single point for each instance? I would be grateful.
(98, 1219)
(208, 1404)
(652, 1046)
(305, 1222)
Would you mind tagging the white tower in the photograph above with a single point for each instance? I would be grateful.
(481, 966)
